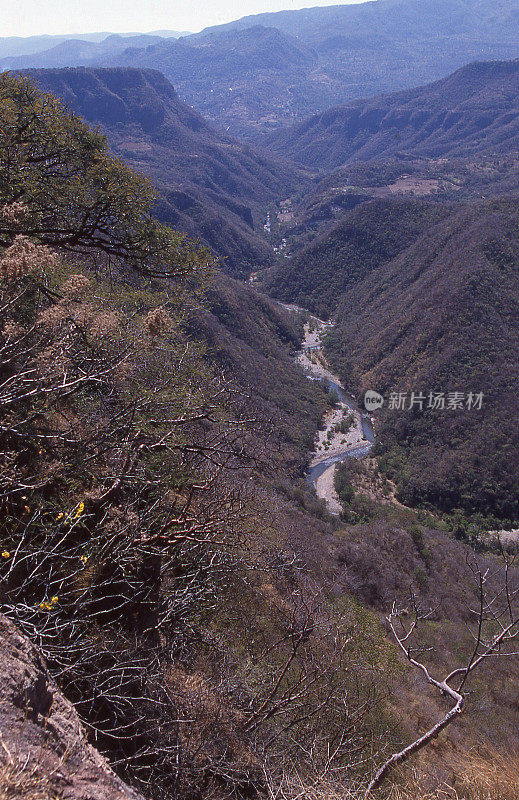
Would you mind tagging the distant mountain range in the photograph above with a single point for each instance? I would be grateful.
(211, 185)
(79, 51)
(475, 111)
(260, 73)
(383, 20)
(19, 46)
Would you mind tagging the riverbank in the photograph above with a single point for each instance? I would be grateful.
(346, 431)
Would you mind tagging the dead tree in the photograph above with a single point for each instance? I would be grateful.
(494, 632)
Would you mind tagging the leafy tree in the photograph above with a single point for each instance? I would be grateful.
(78, 196)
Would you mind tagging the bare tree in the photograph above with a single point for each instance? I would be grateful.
(494, 631)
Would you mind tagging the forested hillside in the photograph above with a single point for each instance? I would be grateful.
(211, 186)
(425, 297)
(128, 450)
(474, 112)
(364, 239)
(219, 634)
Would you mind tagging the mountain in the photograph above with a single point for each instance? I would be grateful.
(369, 48)
(260, 73)
(424, 296)
(28, 45)
(75, 51)
(322, 27)
(363, 240)
(473, 112)
(217, 632)
(244, 80)
(444, 316)
(17, 46)
(211, 186)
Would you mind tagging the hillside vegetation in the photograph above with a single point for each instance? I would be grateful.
(363, 240)
(473, 112)
(211, 186)
(440, 315)
(267, 71)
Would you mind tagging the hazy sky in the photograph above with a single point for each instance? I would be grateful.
(30, 17)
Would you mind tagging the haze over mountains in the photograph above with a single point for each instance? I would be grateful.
(211, 185)
(19, 46)
(260, 73)
(473, 112)
(78, 51)
(218, 616)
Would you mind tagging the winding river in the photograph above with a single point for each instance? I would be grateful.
(331, 451)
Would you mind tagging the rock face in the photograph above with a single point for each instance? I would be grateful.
(43, 748)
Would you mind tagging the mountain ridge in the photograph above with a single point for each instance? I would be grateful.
(475, 110)
(274, 70)
(211, 185)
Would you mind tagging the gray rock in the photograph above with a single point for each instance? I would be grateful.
(43, 748)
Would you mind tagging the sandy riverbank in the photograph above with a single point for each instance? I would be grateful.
(330, 440)
(325, 490)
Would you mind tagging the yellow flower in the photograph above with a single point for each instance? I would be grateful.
(6, 554)
(80, 509)
(48, 605)
(84, 559)
(60, 515)
(27, 509)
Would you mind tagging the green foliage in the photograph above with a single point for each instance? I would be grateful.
(79, 198)
(440, 317)
(343, 486)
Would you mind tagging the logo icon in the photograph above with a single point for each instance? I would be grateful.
(373, 400)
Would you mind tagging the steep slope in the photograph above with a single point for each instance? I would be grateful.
(473, 112)
(218, 637)
(254, 339)
(362, 241)
(212, 186)
(242, 80)
(443, 316)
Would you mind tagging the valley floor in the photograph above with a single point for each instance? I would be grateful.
(342, 433)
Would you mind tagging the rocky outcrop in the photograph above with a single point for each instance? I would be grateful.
(43, 748)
